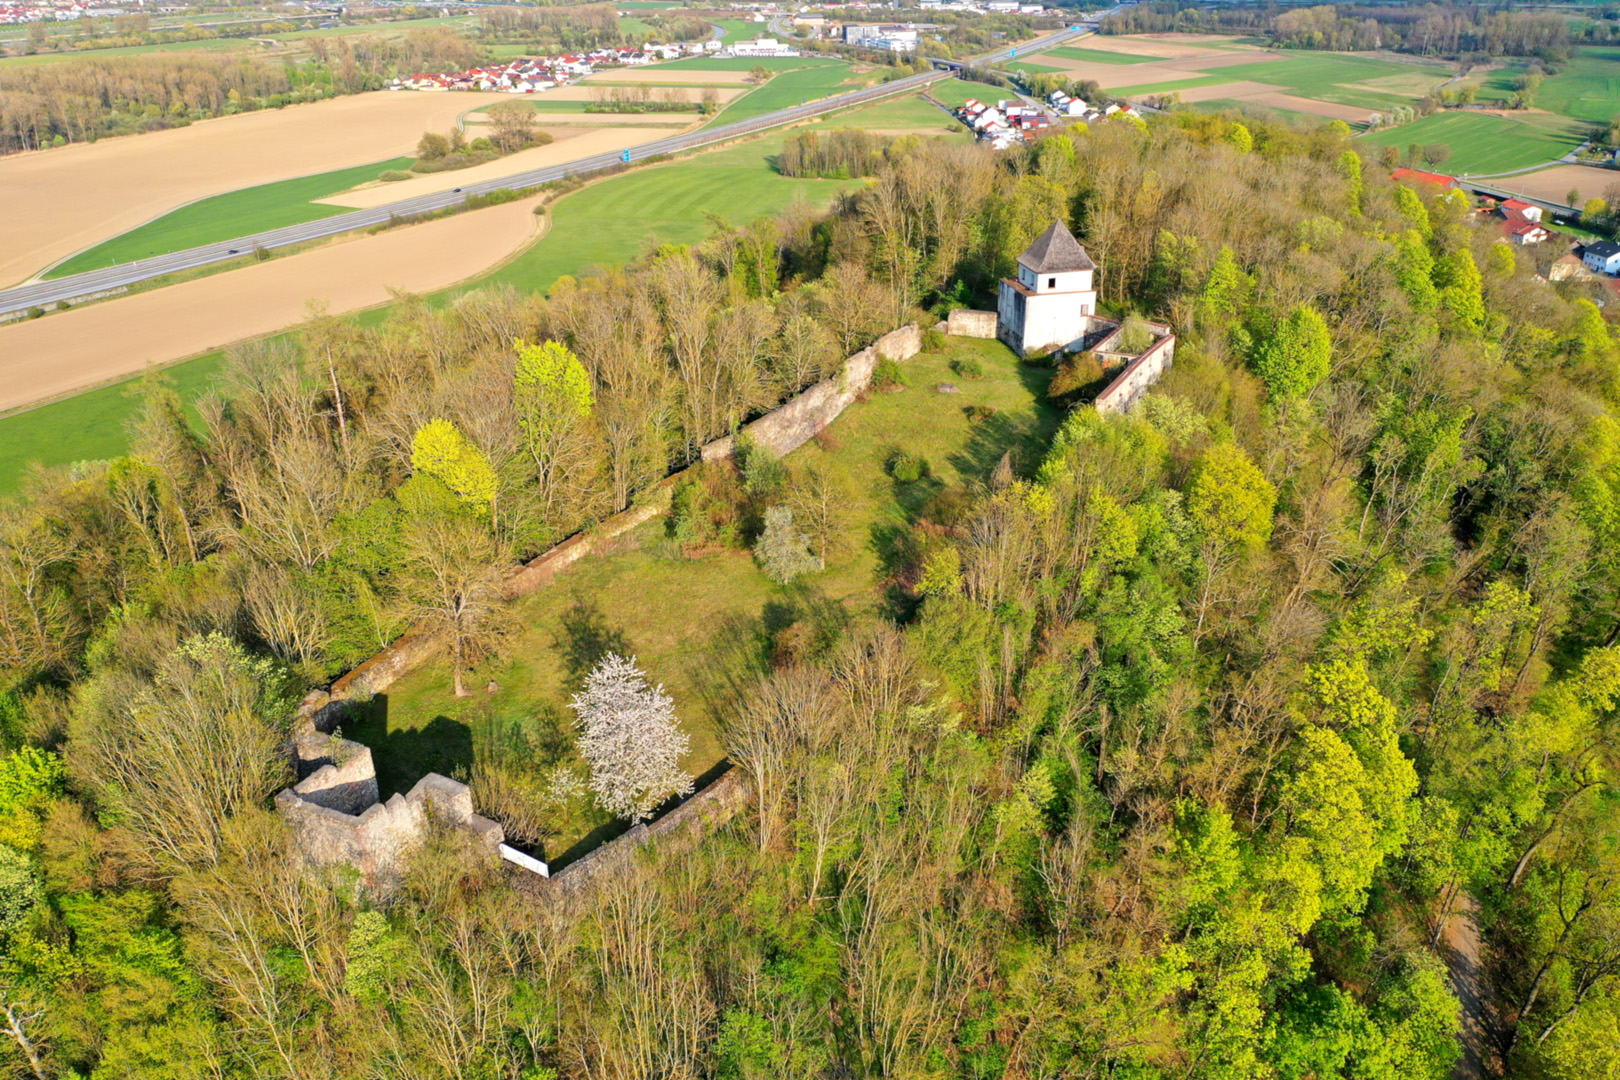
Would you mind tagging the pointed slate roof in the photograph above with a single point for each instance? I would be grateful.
(1056, 251)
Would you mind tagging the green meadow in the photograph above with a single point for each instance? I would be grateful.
(224, 217)
(790, 88)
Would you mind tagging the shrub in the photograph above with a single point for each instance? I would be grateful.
(783, 552)
(906, 468)
(1073, 375)
(977, 413)
(391, 175)
(933, 341)
(887, 375)
(36, 312)
(968, 367)
(1038, 358)
(1135, 337)
(763, 473)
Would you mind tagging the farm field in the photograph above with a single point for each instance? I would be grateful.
(223, 217)
(792, 88)
(571, 144)
(900, 116)
(1482, 143)
(1202, 68)
(605, 223)
(693, 622)
(1587, 89)
(742, 64)
(208, 45)
(67, 190)
(1555, 184)
(67, 351)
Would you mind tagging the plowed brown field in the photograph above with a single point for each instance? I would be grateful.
(80, 195)
(90, 345)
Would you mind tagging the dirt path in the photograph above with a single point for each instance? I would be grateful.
(1464, 953)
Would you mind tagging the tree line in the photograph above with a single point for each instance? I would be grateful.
(84, 99)
(1199, 734)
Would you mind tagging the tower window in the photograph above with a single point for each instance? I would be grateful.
(1051, 283)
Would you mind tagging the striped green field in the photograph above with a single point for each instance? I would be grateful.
(224, 217)
(791, 88)
(1099, 56)
(748, 63)
(1481, 143)
(1330, 77)
(954, 92)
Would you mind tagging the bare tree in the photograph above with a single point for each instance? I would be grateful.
(451, 574)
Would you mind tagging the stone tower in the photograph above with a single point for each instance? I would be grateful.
(1051, 303)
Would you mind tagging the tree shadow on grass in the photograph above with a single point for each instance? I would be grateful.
(443, 745)
(995, 436)
(587, 636)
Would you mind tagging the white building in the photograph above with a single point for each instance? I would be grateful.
(1603, 256)
(1050, 304)
(763, 47)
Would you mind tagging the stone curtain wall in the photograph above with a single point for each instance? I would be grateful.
(789, 427)
(966, 322)
(1140, 374)
(684, 826)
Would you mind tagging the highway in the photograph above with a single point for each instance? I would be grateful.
(114, 278)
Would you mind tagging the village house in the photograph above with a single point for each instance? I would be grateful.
(1603, 257)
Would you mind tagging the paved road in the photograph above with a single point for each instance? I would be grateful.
(114, 278)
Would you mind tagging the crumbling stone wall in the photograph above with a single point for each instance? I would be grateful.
(706, 811)
(786, 429)
(336, 819)
(966, 322)
(1139, 375)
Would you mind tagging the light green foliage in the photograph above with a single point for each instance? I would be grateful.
(942, 573)
(1500, 260)
(1414, 270)
(1349, 167)
(1229, 500)
(1461, 289)
(30, 779)
(1323, 799)
(1591, 341)
(440, 450)
(1240, 138)
(1029, 210)
(783, 552)
(1175, 418)
(1296, 354)
(1226, 289)
(1410, 204)
(20, 890)
(370, 955)
(551, 385)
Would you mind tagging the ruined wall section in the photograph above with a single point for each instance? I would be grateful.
(786, 429)
(967, 322)
(336, 819)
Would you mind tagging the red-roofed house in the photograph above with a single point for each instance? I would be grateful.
(1525, 232)
(1418, 176)
(1519, 210)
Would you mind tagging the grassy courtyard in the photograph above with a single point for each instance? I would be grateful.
(227, 216)
(1481, 143)
(696, 624)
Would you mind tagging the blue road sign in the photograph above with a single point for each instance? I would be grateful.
(624, 155)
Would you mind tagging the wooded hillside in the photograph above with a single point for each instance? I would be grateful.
(1176, 750)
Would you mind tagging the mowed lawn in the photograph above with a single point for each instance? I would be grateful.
(1481, 143)
(1587, 89)
(227, 216)
(694, 624)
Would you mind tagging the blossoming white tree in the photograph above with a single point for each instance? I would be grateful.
(629, 738)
